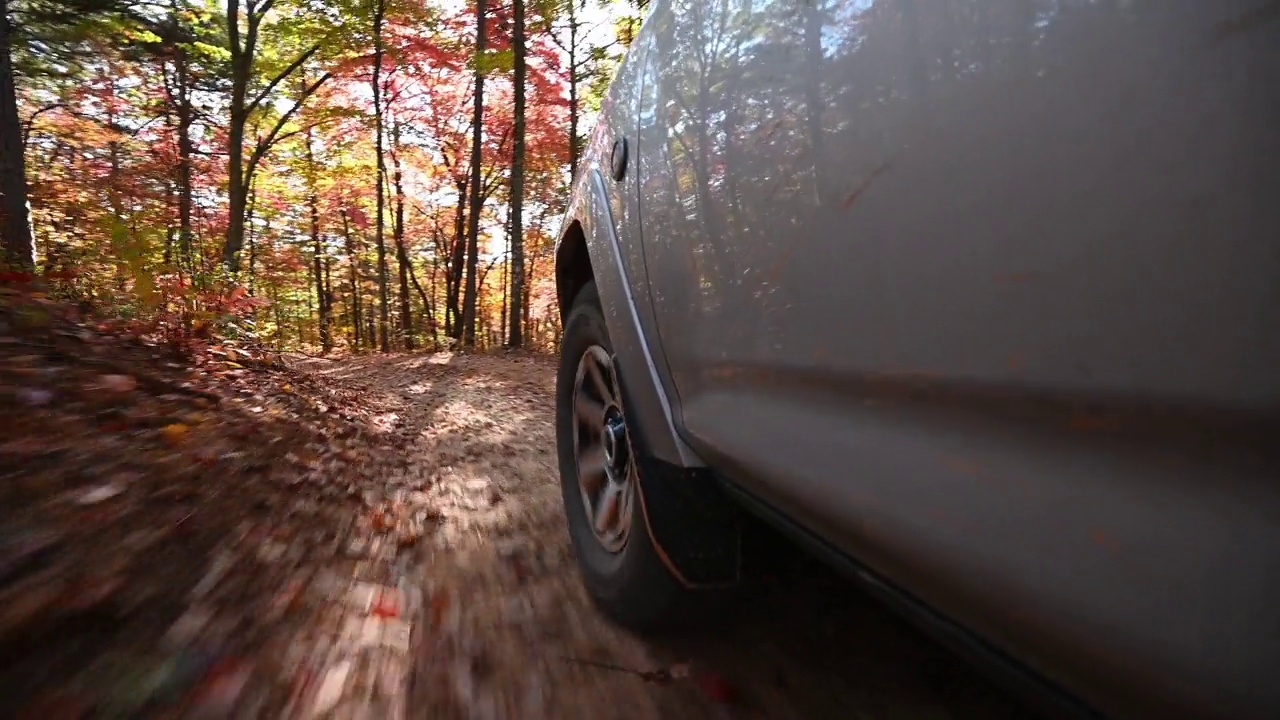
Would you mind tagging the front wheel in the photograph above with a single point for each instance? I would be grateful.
(619, 560)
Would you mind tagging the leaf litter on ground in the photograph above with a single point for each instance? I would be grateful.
(179, 530)
(164, 518)
(381, 536)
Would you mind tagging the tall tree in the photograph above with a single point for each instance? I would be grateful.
(586, 64)
(54, 29)
(457, 258)
(319, 258)
(515, 336)
(384, 313)
(55, 35)
(244, 48)
(184, 49)
(15, 219)
(353, 262)
(402, 254)
(126, 130)
(469, 298)
(180, 99)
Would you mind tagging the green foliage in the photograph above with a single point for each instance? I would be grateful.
(105, 185)
(496, 61)
(55, 37)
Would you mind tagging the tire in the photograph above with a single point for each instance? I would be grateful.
(631, 584)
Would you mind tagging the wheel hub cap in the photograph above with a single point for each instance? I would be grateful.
(614, 437)
(602, 448)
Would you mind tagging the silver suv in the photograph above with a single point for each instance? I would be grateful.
(979, 298)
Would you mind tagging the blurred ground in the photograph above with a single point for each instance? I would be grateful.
(226, 533)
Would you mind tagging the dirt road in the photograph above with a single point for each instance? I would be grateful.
(222, 535)
(512, 619)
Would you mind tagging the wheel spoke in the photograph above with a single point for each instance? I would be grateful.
(603, 391)
(606, 513)
(591, 468)
(589, 411)
(615, 387)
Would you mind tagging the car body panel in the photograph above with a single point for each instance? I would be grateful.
(987, 294)
(607, 212)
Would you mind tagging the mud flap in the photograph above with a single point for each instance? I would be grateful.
(695, 527)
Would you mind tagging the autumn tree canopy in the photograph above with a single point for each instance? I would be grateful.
(373, 173)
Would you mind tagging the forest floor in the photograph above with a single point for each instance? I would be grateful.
(375, 536)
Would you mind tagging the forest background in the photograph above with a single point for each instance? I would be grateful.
(351, 174)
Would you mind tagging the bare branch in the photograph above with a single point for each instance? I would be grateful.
(233, 28)
(292, 133)
(272, 137)
(31, 119)
(251, 39)
(280, 77)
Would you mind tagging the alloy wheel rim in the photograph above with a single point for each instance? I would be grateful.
(602, 449)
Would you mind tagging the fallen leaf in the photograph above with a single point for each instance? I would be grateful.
(387, 605)
(186, 628)
(271, 551)
(330, 691)
(383, 521)
(34, 397)
(174, 434)
(118, 383)
(101, 493)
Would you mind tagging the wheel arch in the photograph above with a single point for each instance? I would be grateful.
(588, 250)
(573, 266)
(695, 534)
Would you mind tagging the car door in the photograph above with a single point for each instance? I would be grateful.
(986, 294)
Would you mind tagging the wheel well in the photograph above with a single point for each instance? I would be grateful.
(573, 267)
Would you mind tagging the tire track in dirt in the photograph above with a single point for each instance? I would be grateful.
(506, 611)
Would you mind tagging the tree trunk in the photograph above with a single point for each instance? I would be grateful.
(427, 310)
(185, 150)
(17, 249)
(328, 291)
(317, 247)
(457, 256)
(275, 304)
(169, 231)
(384, 310)
(237, 194)
(120, 235)
(402, 255)
(239, 171)
(253, 247)
(515, 337)
(469, 299)
(431, 315)
(353, 260)
(574, 150)
(506, 274)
